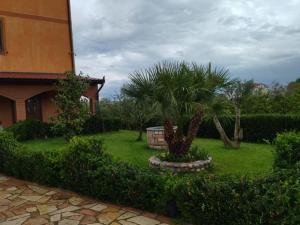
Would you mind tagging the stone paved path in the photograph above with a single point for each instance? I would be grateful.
(24, 203)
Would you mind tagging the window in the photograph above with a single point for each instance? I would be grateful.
(2, 49)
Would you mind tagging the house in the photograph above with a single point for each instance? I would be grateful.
(36, 49)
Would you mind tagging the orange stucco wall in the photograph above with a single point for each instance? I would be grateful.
(19, 93)
(37, 36)
(6, 112)
(48, 107)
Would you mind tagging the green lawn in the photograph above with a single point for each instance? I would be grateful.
(251, 159)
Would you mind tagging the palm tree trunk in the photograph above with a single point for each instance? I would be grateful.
(227, 142)
(177, 143)
(193, 130)
(237, 127)
(169, 134)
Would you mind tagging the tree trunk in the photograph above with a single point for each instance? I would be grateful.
(140, 137)
(193, 129)
(227, 142)
(177, 143)
(237, 128)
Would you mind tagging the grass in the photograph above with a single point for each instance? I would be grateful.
(250, 159)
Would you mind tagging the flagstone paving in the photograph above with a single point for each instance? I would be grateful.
(24, 203)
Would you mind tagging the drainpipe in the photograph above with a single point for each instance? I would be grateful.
(100, 88)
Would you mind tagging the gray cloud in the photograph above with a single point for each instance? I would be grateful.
(253, 38)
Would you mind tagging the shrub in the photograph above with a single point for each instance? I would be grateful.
(230, 200)
(194, 154)
(256, 128)
(200, 199)
(91, 171)
(95, 124)
(287, 149)
(31, 129)
(8, 146)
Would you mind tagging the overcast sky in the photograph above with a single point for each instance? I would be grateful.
(257, 39)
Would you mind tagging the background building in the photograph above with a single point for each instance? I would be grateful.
(36, 49)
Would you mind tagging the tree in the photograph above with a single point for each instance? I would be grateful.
(175, 88)
(72, 110)
(136, 113)
(237, 93)
(221, 90)
(217, 81)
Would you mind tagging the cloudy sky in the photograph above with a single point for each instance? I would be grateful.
(252, 38)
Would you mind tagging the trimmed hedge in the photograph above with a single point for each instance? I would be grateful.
(287, 150)
(200, 199)
(32, 129)
(256, 128)
(95, 124)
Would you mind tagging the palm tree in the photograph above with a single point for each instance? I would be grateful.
(222, 90)
(217, 82)
(237, 93)
(175, 88)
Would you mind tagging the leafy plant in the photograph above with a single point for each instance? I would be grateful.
(72, 110)
(287, 149)
(194, 154)
(176, 89)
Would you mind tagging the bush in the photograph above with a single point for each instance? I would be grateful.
(229, 200)
(256, 128)
(95, 124)
(201, 199)
(287, 149)
(194, 154)
(31, 129)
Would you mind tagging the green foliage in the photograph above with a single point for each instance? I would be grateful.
(72, 110)
(256, 128)
(39, 166)
(277, 99)
(32, 129)
(230, 200)
(251, 159)
(8, 145)
(96, 124)
(201, 199)
(194, 154)
(287, 149)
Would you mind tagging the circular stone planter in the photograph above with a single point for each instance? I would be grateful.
(156, 138)
(196, 166)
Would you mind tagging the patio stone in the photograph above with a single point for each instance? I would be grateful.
(142, 220)
(55, 218)
(75, 200)
(15, 222)
(32, 198)
(30, 204)
(124, 222)
(127, 216)
(68, 222)
(36, 221)
(98, 207)
(46, 209)
(37, 189)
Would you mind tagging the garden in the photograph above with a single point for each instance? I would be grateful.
(251, 172)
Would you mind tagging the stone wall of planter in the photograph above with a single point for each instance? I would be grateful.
(196, 166)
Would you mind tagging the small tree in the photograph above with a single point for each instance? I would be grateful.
(72, 110)
(221, 91)
(135, 112)
(176, 89)
(237, 92)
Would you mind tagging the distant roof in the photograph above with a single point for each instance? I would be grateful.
(40, 77)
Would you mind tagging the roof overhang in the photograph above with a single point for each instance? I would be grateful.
(39, 78)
